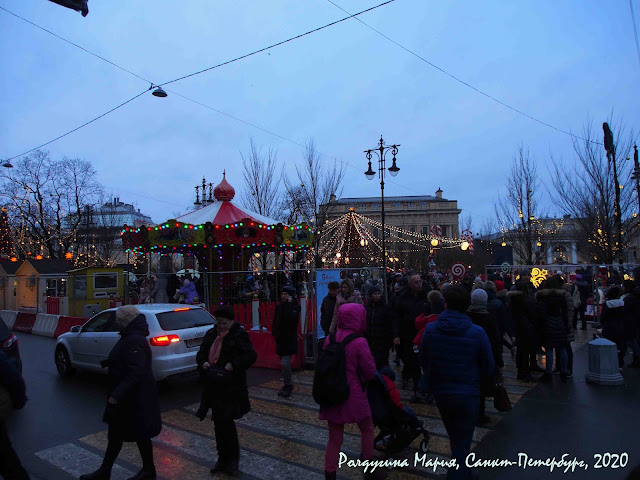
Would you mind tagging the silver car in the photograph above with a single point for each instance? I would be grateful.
(175, 335)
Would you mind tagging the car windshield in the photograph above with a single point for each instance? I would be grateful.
(180, 319)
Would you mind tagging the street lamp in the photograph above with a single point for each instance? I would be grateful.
(611, 156)
(636, 176)
(381, 152)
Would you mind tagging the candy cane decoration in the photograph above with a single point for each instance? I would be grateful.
(468, 236)
(436, 231)
(287, 264)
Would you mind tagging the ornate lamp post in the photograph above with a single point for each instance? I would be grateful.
(381, 152)
(610, 148)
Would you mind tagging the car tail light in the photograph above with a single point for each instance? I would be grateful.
(164, 340)
(181, 309)
(12, 340)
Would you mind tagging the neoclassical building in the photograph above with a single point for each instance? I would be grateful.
(411, 213)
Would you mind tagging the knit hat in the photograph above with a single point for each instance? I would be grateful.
(374, 289)
(125, 315)
(479, 296)
(499, 285)
(289, 290)
(578, 277)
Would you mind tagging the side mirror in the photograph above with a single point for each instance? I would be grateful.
(76, 329)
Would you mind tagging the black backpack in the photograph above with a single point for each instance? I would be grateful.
(330, 386)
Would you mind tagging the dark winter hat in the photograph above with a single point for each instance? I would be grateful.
(289, 290)
(374, 289)
(403, 282)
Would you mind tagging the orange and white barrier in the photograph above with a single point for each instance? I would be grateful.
(45, 325)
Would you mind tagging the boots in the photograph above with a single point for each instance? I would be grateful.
(103, 473)
(286, 391)
(329, 475)
(144, 474)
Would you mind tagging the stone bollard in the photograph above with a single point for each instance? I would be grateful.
(603, 363)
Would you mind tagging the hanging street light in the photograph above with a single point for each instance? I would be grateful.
(159, 92)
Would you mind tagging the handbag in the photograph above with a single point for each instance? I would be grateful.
(6, 404)
(501, 399)
(219, 376)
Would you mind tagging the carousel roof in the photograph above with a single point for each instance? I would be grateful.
(223, 211)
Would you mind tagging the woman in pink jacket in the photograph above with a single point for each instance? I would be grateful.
(351, 318)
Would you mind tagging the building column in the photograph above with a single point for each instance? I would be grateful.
(574, 253)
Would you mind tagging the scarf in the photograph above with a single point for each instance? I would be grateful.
(214, 352)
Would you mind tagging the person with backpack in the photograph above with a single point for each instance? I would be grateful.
(382, 327)
(344, 367)
(285, 332)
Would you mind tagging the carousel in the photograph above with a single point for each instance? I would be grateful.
(221, 235)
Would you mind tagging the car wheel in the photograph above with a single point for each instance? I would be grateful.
(63, 362)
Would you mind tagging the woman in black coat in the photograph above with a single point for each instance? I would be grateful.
(524, 318)
(553, 316)
(285, 332)
(133, 411)
(382, 327)
(224, 357)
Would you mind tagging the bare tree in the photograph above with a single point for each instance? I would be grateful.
(318, 181)
(585, 189)
(46, 200)
(519, 213)
(261, 192)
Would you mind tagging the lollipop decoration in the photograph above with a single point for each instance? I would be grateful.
(458, 270)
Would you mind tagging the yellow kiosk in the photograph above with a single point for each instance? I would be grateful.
(93, 289)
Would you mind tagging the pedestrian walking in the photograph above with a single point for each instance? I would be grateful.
(480, 315)
(456, 357)
(524, 316)
(224, 357)
(285, 332)
(382, 327)
(12, 397)
(551, 306)
(133, 411)
(360, 368)
(327, 308)
(348, 294)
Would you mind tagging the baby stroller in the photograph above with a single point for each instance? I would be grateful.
(398, 428)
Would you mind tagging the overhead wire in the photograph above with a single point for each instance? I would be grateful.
(635, 30)
(278, 44)
(506, 105)
(196, 101)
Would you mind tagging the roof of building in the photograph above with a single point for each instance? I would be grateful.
(414, 198)
(50, 265)
(10, 267)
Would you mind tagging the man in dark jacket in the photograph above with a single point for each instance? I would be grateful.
(481, 316)
(328, 308)
(133, 409)
(409, 305)
(11, 380)
(456, 357)
(285, 332)
(382, 327)
(585, 291)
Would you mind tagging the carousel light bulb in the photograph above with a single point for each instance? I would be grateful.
(464, 245)
(504, 244)
(362, 243)
(434, 242)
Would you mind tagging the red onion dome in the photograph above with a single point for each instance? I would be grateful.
(224, 191)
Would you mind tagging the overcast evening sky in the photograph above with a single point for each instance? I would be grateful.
(562, 62)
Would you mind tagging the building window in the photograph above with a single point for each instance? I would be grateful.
(426, 230)
(375, 206)
(376, 233)
(412, 228)
(363, 206)
(445, 230)
(397, 205)
(423, 205)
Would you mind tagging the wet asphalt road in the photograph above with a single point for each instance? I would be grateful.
(61, 410)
